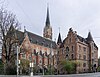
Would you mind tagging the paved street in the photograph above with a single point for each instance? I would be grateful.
(73, 75)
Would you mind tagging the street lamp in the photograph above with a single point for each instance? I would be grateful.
(18, 61)
(31, 66)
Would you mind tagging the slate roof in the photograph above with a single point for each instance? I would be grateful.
(59, 39)
(20, 36)
(85, 40)
(13, 32)
(82, 39)
(36, 39)
(89, 38)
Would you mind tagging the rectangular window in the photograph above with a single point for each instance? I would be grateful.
(79, 48)
(72, 48)
(92, 54)
(84, 57)
(84, 64)
(79, 56)
(72, 56)
(84, 49)
(70, 40)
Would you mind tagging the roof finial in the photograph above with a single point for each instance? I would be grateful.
(24, 28)
(59, 29)
(47, 5)
(89, 30)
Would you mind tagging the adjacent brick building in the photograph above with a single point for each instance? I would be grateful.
(78, 49)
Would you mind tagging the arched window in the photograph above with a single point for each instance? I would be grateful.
(66, 56)
(84, 64)
(67, 49)
(72, 56)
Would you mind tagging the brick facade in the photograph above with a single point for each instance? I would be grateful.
(79, 49)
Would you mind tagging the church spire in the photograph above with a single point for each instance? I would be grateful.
(47, 32)
(47, 18)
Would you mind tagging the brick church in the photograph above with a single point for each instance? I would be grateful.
(41, 49)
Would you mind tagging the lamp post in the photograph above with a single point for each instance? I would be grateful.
(31, 66)
(18, 61)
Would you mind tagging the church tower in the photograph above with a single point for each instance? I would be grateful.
(47, 33)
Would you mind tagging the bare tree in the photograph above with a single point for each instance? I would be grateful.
(8, 26)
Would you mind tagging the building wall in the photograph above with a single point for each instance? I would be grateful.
(41, 57)
(83, 56)
(78, 51)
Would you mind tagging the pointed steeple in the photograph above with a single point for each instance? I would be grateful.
(47, 18)
(47, 32)
(59, 39)
(89, 38)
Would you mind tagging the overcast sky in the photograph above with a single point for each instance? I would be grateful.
(82, 15)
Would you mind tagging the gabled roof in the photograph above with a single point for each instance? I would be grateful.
(36, 39)
(20, 36)
(12, 32)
